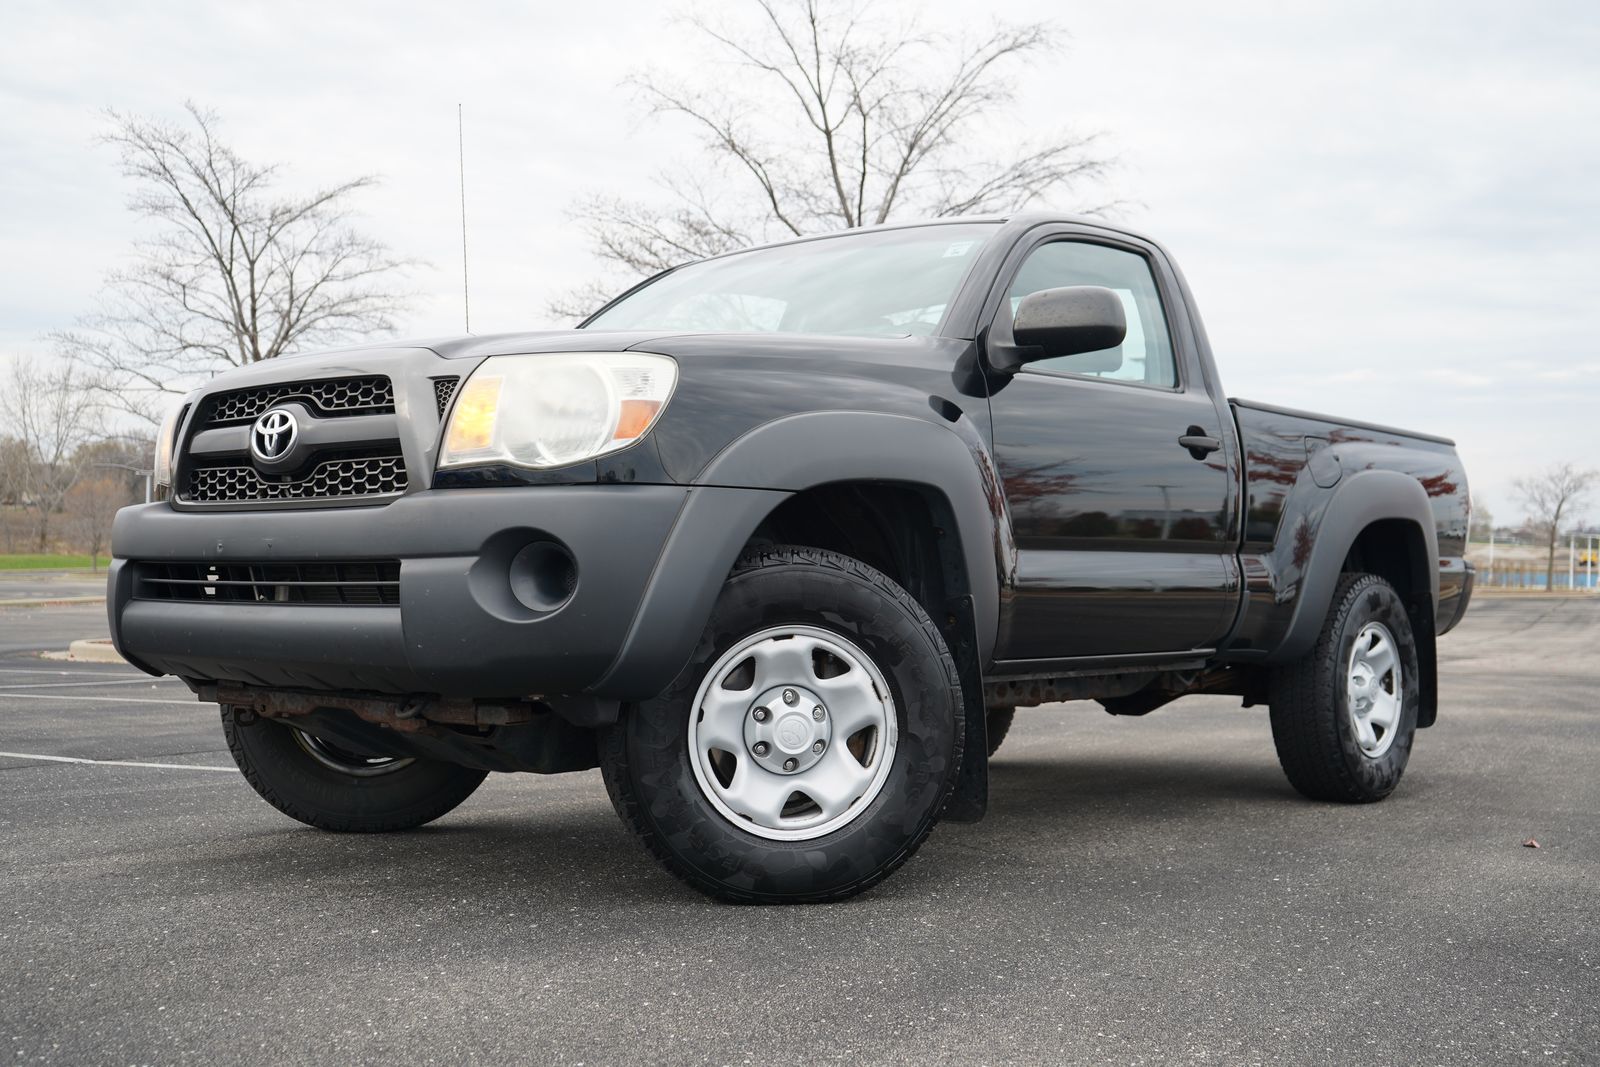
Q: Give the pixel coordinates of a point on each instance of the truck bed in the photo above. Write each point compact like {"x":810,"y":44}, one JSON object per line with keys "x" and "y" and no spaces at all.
{"x":1294,"y":462}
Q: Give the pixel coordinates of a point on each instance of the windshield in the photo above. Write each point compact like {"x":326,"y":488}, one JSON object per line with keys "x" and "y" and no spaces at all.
{"x":884,"y":283}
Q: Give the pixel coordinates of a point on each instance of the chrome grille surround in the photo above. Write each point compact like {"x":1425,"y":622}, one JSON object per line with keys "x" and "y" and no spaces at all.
{"x":357,"y":459}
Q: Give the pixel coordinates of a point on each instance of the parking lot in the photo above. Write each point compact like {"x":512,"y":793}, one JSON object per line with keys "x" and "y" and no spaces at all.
{"x":1143,"y":891}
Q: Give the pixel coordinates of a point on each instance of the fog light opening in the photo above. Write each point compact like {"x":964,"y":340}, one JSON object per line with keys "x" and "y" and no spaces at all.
{"x":543,"y":576}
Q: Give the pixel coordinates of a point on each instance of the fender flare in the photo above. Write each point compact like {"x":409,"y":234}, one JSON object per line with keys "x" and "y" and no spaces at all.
{"x":745,"y":481}
{"x":1359,"y":501}
{"x":804,"y":451}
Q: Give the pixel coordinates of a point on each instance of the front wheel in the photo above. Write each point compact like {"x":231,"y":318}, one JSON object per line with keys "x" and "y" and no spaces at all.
{"x":328,"y":786}
{"x":1343,"y":717}
{"x":809,"y":745}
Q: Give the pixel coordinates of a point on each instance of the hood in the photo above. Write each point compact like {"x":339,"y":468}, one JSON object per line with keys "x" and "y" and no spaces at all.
{"x":503,"y":344}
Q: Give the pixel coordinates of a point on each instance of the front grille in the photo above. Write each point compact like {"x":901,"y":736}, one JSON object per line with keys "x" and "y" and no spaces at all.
{"x":334,"y":396}
{"x":443,"y":390}
{"x":367,"y":476}
{"x":348,"y":445}
{"x":370,"y":582}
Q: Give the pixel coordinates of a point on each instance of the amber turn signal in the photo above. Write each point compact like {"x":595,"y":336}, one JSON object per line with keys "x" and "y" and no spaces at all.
{"x":472,"y":422}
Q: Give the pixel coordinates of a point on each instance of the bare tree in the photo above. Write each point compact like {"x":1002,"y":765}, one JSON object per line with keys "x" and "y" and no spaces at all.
{"x":52,"y":410}
{"x":128,"y":458}
{"x":90,"y":506}
{"x":1482,"y":524}
{"x":234,"y":272}
{"x":820,"y":115}
{"x":14,"y":463}
{"x":1557,"y":491}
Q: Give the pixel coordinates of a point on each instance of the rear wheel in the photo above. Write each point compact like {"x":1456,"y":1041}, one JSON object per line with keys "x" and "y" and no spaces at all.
{"x":331,"y":787}
{"x":807,"y":748}
{"x":1344,"y":716}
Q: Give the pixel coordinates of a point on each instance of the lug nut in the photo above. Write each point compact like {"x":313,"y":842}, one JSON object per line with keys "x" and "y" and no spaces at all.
{"x":790,"y":764}
{"x":818,"y":747}
{"x":790,"y":696}
{"x":817,"y":713}
{"x":761,"y":748}
{"x":760,"y":714}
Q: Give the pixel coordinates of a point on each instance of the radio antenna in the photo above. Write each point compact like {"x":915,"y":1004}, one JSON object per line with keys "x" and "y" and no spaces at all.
{"x":461,"y":161}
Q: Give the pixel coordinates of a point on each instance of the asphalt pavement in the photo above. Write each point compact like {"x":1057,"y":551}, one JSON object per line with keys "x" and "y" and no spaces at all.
{"x":50,"y":586}
{"x":1143,"y":891}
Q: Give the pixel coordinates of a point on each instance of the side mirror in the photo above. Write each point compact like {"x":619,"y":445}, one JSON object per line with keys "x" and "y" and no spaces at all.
{"x":1068,"y":321}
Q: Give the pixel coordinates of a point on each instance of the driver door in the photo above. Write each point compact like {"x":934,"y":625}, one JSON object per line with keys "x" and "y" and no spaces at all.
{"x":1124,"y":535}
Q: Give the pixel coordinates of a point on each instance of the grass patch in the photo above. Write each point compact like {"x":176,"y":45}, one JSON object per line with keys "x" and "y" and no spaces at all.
{"x":45,"y":562}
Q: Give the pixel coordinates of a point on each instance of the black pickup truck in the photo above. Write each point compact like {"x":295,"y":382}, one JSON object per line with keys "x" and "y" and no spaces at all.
{"x":780,"y":540}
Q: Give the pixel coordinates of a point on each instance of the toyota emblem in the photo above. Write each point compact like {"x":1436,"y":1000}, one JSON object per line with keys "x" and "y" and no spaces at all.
{"x":273,"y":434}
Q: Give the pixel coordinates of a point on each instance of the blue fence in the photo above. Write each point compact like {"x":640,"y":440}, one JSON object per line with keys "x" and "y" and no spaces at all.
{"x":1520,"y":574}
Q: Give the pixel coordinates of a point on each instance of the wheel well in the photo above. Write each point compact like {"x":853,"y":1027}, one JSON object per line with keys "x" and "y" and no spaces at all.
{"x":1395,"y":550}
{"x":905,"y":531}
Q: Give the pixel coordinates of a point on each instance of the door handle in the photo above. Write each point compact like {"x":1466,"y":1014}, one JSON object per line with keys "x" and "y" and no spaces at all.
{"x":1198,"y":443}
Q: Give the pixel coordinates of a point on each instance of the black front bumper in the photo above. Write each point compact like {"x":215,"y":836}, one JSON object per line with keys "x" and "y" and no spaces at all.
{"x":650,"y":561}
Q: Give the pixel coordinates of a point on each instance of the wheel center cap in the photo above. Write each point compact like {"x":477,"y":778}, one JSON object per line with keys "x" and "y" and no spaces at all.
{"x":794,"y":733}
{"x":787,"y":729}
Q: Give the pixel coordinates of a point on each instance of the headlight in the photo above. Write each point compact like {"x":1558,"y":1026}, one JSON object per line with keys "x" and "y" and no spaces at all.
{"x":165,"y":442}
{"x":546,"y":411}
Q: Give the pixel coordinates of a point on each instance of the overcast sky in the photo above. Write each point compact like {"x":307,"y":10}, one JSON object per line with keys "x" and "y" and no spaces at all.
{"x":1386,"y":211}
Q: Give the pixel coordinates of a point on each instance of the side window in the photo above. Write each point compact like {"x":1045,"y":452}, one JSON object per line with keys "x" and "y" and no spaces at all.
{"x":1146,"y":352}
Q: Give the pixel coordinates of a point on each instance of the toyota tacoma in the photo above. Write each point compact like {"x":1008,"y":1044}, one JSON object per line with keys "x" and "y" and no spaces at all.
{"x":780,"y":540}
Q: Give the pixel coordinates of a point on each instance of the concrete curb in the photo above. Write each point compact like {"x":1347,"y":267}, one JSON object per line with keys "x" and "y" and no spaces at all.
{"x":1535,"y":594}
{"x":89,"y":650}
{"x":51,"y":602}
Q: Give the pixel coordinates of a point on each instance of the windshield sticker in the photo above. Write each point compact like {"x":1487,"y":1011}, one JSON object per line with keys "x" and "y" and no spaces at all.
{"x":958,"y":248}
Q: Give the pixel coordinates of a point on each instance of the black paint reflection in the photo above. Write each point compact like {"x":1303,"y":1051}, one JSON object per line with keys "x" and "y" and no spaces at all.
{"x":1124,"y":537}
{"x":1293,"y":463}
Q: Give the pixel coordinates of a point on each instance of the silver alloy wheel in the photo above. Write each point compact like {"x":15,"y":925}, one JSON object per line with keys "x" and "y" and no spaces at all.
{"x":335,"y":758}
{"x":1373,"y":691}
{"x":793,"y":733}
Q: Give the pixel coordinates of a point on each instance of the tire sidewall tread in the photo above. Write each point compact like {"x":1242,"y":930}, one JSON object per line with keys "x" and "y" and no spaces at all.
{"x":289,"y":779}
{"x":645,"y":757}
{"x":1311,"y":729}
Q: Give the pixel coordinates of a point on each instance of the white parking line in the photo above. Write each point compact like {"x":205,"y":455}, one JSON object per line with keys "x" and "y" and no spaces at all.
{"x":119,"y":762}
{"x":6,"y":687}
{"x":104,"y":700}
{"x":46,"y":670}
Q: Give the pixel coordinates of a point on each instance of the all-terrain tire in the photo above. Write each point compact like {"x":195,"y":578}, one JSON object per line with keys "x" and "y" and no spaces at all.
{"x":999,"y":724}
{"x":1313,"y":727}
{"x":646,"y":757}
{"x":280,"y":767}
